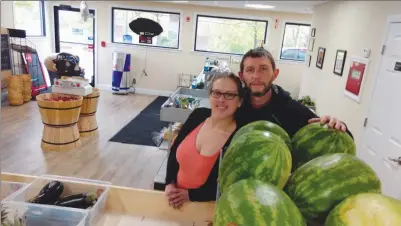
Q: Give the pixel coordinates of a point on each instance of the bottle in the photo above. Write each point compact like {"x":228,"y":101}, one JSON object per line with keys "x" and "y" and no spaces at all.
{"x":206,"y":68}
{"x":193,"y":85}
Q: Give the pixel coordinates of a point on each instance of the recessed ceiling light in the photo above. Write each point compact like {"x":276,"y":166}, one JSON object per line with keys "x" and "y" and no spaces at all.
{"x":259,"y":6}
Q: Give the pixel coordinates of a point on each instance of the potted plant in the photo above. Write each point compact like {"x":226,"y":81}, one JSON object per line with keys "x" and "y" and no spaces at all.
{"x":308,"y":102}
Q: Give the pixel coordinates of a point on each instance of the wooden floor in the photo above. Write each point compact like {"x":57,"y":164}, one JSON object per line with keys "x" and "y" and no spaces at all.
{"x":97,"y":158}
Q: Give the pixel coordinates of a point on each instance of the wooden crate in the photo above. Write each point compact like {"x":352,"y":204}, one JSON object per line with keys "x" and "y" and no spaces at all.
{"x":129,"y":206}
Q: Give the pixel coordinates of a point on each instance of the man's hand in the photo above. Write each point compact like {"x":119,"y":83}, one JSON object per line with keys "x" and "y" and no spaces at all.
{"x":178,"y":197}
{"x":331,"y":122}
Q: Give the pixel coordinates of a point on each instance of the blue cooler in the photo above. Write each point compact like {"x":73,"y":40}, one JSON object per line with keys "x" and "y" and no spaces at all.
{"x":121,"y":72}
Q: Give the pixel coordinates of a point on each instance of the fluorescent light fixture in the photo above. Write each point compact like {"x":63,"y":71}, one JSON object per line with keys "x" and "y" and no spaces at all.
{"x":259,"y":6}
{"x":180,"y":1}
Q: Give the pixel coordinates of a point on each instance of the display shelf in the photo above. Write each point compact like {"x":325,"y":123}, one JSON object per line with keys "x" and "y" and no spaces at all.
{"x":129,"y":206}
{"x":172,"y":114}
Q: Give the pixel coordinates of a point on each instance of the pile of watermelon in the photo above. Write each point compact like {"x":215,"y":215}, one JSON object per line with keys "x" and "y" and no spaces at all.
{"x":314,"y":179}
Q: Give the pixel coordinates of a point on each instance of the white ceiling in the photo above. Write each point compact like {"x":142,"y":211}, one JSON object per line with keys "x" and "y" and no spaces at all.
{"x":283,"y":6}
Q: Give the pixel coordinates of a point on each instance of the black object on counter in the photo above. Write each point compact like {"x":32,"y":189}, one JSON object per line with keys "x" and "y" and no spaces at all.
{"x":81,"y":201}
{"x":49,"y":194}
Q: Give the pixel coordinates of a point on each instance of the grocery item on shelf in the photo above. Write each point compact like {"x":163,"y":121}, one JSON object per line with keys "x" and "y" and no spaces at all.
{"x":184,"y":102}
{"x":315,"y":140}
{"x":51,"y":195}
{"x":259,"y":155}
{"x":81,"y":201}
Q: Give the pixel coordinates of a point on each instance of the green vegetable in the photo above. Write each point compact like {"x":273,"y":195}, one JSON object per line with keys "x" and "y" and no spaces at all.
{"x":265,"y":126}
{"x":253,"y":203}
{"x":315,"y":140}
{"x":258,"y":155}
{"x":319,"y":185}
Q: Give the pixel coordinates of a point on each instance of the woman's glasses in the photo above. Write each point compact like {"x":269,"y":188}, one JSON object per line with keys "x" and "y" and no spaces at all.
{"x":227,"y":96}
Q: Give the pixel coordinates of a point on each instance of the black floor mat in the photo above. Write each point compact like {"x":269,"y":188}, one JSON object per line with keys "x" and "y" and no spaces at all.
{"x":139,"y":131}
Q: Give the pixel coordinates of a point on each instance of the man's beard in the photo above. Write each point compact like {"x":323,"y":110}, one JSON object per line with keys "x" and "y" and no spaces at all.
{"x":260,"y":93}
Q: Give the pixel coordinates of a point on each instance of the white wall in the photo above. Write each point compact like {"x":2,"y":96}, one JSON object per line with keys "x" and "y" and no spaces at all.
{"x":353,"y":26}
{"x":163,"y":66}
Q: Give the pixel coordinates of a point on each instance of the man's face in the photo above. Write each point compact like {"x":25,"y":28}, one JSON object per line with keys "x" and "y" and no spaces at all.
{"x":258,"y":75}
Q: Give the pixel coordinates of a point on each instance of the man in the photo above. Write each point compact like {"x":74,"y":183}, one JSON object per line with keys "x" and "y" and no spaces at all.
{"x":266,"y":101}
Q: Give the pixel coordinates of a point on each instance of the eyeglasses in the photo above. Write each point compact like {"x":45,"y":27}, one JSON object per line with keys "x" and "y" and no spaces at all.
{"x":227,"y":96}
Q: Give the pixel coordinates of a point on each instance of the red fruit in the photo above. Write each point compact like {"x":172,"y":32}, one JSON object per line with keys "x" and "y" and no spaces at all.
{"x":78,"y":85}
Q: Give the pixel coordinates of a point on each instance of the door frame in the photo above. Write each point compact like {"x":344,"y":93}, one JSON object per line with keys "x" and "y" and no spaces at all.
{"x":56,"y":38}
{"x":390,"y":19}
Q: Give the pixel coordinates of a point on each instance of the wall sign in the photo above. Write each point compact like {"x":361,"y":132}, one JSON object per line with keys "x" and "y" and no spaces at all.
{"x":356,"y":74}
{"x":397,"y":66}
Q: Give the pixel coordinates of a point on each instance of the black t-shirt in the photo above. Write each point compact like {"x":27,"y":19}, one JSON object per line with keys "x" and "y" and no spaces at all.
{"x":281,"y":109}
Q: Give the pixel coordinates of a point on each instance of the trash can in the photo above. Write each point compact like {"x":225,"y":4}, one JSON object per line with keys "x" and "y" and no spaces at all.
{"x":121,"y":72}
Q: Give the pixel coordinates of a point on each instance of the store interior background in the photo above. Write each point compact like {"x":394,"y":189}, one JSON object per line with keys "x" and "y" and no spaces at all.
{"x":350,"y":25}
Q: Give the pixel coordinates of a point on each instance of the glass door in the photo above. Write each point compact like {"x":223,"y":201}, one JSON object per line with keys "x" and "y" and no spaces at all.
{"x":75,"y":36}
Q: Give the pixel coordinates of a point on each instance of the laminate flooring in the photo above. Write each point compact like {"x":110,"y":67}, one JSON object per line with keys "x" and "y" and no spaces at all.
{"x":97,"y":158}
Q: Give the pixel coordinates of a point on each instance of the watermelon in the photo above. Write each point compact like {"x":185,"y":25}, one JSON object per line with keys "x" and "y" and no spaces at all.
{"x":265,"y":126}
{"x":315,"y":140}
{"x":366,"y":209}
{"x":259,"y":155}
{"x":253,"y":202}
{"x":320,"y":184}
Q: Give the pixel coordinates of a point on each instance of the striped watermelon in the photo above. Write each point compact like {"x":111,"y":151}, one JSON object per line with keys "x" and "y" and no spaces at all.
{"x":253,"y":202}
{"x":259,"y":155}
{"x":320,"y":184}
{"x":265,"y":126}
{"x":366,"y":209}
{"x":315,"y":140}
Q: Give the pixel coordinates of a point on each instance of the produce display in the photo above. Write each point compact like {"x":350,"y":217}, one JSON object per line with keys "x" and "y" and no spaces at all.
{"x":253,"y":202}
{"x":14,"y":221}
{"x":315,"y":140}
{"x":329,"y":185}
{"x":62,"y":98}
{"x":258,"y":155}
{"x":51,"y":195}
{"x":265,"y":126}
{"x":366,"y":209}
{"x":184,"y":102}
{"x":325,"y":181}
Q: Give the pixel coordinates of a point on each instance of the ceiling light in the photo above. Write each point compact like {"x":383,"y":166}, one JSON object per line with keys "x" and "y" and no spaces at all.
{"x":180,"y":1}
{"x":259,"y":6}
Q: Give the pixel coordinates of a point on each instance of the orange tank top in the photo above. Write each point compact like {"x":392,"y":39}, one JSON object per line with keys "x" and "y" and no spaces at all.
{"x":194,"y":168}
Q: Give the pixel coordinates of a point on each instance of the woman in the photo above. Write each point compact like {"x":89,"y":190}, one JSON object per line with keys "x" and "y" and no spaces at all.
{"x":193,"y":162}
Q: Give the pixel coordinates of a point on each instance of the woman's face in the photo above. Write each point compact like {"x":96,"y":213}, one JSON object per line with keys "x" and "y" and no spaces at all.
{"x":224,"y":99}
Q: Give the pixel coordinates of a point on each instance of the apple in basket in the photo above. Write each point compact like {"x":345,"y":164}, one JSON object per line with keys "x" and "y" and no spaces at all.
{"x":61,"y":98}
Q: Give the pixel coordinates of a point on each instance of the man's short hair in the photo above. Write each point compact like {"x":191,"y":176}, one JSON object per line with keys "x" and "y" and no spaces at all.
{"x":256,"y":53}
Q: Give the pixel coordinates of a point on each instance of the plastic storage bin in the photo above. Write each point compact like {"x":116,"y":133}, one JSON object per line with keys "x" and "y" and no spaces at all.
{"x":71,"y":186}
{"x":8,"y":188}
{"x":172,"y":114}
{"x":44,"y":215}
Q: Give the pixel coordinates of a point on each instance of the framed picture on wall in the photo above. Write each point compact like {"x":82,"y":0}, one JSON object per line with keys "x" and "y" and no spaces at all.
{"x":320,"y":57}
{"x":311,"y":43}
{"x":313,"y":32}
{"x":339,"y":62}
{"x":308,"y":59}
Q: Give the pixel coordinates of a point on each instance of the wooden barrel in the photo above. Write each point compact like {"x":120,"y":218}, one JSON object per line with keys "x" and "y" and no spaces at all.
{"x":15,"y":88}
{"x":60,"y":114}
{"x":27,"y":87}
{"x":87,"y":123}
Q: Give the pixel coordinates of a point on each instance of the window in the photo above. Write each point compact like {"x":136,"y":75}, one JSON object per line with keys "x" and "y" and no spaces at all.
{"x":295,"y":42}
{"x":170,"y":22}
{"x":228,"y":35}
{"x":30,"y":16}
